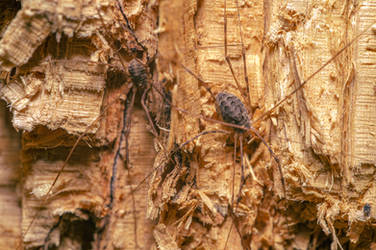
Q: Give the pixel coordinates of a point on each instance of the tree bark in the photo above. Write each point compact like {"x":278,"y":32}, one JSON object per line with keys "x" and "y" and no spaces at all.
{"x":65,"y":74}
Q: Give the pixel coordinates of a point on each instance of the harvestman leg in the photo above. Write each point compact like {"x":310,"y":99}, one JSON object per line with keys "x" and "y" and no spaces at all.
{"x":127,"y":121}
{"x":227,"y":58}
{"x":127,"y":115}
{"x":147,"y":112}
{"x":285,"y":98}
{"x":137,"y":86}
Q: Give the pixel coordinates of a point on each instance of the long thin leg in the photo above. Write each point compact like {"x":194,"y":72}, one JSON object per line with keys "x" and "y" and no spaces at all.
{"x":233,"y":186}
{"x":153,"y":130}
{"x":123,"y":135}
{"x":233,"y":169}
{"x":228,"y":235}
{"x":243,"y":50}
{"x":65,"y":163}
{"x":202,"y":133}
{"x":127,"y":132}
{"x":313,"y":74}
{"x":243,"y":177}
{"x":274,"y":157}
{"x":143,"y":99}
{"x":234,"y":204}
{"x":206,"y":86}
{"x":227,"y":58}
{"x":180,"y":147}
{"x":241,"y":162}
{"x":131,"y":30}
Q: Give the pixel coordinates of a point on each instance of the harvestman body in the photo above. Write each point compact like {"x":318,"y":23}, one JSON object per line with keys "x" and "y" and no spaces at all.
{"x":138,"y":73}
{"x":232,"y":110}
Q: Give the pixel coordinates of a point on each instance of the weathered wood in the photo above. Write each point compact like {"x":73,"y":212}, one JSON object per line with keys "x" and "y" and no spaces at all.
{"x":68,"y":79}
{"x":68,"y":74}
{"x":313,"y":134}
{"x":10,"y":172}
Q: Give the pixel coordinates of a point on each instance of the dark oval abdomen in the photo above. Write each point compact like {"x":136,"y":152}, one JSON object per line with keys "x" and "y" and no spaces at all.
{"x":138,"y":73}
{"x":232,"y":110}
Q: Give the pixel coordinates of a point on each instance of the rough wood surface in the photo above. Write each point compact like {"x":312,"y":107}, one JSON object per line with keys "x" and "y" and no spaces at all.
{"x":10,"y":171}
{"x":10,"y":222}
{"x":64,"y":73}
{"x":67,"y":75}
{"x":322,"y":136}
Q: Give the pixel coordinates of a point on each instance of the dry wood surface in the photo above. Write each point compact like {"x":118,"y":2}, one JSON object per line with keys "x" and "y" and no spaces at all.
{"x":66,"y":84}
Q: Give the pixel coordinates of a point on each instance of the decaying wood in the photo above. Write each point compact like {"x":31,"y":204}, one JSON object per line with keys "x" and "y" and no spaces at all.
{"x":9,"y":175}
{"x":63,"y":58}
{"x":65,"y":76}
{"x":323,"y":136}
{"x":10,"y":171}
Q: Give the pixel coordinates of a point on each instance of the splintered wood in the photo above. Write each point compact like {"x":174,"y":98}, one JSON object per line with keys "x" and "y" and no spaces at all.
{"x":323,"y":135}
{"x":64,"y":73}
{"x":63,"y":77}
{"x":60,"y":86}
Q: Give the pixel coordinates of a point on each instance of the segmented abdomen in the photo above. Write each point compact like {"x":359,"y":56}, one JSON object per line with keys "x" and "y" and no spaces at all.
{"x":232,"y":110}
{"x":138,"y":73}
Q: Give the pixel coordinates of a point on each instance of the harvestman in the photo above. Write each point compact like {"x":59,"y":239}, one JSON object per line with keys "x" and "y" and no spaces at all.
{"x":141,"y":83}
{"x":233,"y":111}
{"x":228,"y":120}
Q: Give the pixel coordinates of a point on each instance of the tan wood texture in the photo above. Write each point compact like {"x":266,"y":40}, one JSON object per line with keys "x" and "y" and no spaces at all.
{"x":317,"y":134}
{"x":64,"y":74}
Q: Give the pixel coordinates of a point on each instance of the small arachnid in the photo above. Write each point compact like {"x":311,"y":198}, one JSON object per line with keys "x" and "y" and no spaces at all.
{"x":132,"y":80}
{"x":232,"y":110}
